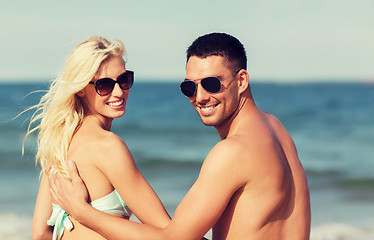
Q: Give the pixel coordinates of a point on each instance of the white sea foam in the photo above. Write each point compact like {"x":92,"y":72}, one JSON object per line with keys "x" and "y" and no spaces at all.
{"x":342,"y":231}
{"x":15,"y":227}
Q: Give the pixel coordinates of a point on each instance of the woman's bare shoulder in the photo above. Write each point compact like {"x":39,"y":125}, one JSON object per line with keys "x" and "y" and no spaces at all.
{"x":106,"y":145}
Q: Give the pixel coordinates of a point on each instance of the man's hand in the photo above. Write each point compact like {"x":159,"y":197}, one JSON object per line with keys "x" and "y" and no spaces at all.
{"x":71,"y":196}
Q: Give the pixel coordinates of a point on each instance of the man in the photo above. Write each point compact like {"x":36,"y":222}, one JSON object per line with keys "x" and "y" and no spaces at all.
{"x":251,"y":185}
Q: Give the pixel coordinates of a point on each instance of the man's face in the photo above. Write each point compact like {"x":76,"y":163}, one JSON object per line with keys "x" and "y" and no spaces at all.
{"x":213,"y":108}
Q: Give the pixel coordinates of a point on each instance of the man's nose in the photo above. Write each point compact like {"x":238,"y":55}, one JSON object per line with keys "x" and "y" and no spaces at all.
{"x":201,"y":94}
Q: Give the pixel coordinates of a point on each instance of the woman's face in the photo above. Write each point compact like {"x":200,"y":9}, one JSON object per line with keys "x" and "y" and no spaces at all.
{"x":112,"y":105}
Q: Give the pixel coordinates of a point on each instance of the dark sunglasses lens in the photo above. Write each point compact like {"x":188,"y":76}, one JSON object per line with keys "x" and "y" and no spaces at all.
{"x":126,"y":80}
{"x":211,"y":84}
{"x":188,"y":88}
{"x":104,"y":86}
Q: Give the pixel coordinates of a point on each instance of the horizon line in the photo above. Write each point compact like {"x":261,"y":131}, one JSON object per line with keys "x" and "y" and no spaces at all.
{"x":306,"y":80}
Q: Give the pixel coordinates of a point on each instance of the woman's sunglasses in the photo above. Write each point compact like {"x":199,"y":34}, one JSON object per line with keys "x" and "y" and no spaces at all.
{"x":104,"y":86}
{"x":210,"y":84}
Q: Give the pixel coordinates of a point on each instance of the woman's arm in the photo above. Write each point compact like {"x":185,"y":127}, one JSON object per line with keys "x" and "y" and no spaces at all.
{"x":42,"y":212}
{"x":120,"y":169}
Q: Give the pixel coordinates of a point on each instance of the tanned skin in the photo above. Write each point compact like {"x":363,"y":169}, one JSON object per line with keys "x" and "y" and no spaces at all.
{"x":251,"y":185}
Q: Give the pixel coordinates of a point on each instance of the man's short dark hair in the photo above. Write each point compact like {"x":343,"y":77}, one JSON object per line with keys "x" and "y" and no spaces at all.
{"x":219,"y":44}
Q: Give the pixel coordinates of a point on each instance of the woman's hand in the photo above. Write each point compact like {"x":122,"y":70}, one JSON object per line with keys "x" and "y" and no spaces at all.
{"x":71,"y":196}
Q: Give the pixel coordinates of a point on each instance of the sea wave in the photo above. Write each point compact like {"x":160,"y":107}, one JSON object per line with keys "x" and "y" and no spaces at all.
{"x":15,"y":227}
{"x":342,"y":231}
{"x":18,"y":227}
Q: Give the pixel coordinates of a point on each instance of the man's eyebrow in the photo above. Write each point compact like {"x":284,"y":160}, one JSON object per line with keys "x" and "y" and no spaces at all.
{"x":217,"y":76}
{"x":193,"y":80}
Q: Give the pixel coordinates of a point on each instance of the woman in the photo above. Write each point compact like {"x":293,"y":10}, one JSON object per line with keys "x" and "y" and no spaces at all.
{"x":75,"y":118}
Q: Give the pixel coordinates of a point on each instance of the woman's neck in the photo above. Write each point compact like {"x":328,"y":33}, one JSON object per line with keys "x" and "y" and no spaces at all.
{"x":100,"y":121}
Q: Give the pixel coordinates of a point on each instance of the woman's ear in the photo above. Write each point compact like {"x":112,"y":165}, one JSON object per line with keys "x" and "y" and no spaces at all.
{"x":80,"y":93}
{"x":243,"y":80}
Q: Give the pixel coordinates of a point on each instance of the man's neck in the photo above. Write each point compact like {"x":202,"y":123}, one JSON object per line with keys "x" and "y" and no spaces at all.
{"x":232,"y":124}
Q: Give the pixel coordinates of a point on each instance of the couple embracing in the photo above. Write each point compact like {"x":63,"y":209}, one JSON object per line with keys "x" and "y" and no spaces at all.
{"x":251,"y":184}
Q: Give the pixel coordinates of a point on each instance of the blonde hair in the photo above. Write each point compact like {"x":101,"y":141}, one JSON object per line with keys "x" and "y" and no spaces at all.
{"x":60,"y":111}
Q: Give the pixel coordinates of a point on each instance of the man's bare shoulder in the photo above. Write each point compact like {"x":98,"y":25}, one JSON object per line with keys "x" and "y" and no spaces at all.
{"x":276,"y":125}
{"x":228,"y":149}
{"x":280,"y":133}
{"x":230,"y":155}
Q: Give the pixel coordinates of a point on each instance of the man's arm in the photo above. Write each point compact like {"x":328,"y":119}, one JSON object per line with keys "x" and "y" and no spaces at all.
{"x":121,"y":171}
{"x":72,"y":197}
{"x":197,"y":213}
{"x":207,"y":199}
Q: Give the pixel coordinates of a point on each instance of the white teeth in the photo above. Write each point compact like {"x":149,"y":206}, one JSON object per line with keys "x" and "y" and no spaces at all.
{"x":115,"y":104}
{"x":207,"y":108}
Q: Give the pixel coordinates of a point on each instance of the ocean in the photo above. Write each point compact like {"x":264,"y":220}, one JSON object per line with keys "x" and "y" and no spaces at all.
{"x":332,"y":125}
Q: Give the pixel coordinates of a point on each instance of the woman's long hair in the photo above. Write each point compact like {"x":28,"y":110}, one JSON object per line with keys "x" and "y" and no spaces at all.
{"x":60,"y":111}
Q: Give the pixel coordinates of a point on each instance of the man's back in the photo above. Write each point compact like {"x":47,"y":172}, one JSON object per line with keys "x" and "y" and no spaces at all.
{"x":273,"y":200}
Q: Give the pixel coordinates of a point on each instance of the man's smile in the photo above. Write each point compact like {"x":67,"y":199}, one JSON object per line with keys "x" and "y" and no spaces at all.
{"x":207,"y":110}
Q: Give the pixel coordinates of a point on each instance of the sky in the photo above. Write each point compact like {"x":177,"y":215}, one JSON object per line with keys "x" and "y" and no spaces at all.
{"x":285,"y":40}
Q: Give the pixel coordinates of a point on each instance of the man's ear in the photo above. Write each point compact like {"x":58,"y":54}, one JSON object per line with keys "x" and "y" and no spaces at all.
{"x":80,"y":93}
{"x":243,"y":80}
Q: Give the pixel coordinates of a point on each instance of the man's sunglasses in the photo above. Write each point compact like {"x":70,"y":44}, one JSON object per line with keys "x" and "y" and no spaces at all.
{"x":104,"y":86}
{"x":210,"y":84}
